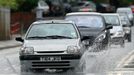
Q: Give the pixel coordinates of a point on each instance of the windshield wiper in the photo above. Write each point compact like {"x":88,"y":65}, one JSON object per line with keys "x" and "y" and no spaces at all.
{"x":83,"y":27}
{"x":58,"y":37}
{"x":49,"y":37}
{"x":37,"y":37}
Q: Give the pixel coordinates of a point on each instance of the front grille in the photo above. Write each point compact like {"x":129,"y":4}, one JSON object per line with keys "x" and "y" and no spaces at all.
{"x":48,"y":64}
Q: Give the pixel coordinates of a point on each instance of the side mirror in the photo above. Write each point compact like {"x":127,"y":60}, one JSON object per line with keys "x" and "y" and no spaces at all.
{"x":124,"y":25}
{"x":19,"y":39}
{"x":85,"y":40}
{"x":109,"y":26}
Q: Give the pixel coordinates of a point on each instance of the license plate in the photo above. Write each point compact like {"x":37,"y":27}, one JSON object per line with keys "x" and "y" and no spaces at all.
{"x":50,"y":58}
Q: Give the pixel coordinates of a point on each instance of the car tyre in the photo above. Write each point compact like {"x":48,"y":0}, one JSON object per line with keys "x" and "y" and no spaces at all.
{"x":123,"y":43}
{"x":23,"y":68}
{"x":129,"y":37}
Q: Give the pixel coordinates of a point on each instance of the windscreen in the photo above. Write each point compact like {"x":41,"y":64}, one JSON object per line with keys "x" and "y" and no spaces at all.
{"x":45,"y":30}
{"x":88,"y":21}
{"x":112,"y":19}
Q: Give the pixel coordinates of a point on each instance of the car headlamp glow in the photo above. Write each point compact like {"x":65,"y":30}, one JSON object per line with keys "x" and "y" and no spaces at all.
{"x":73,"y":50}
{"x":27,"y":50}
{"x":100,"y":37}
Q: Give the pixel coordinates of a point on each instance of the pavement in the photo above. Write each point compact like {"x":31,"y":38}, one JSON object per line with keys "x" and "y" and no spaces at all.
{"x":5,"y":44}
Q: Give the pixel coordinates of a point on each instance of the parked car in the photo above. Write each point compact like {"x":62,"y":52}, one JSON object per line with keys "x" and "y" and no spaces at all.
{"x":105,"y":7}
{"x":93,"y":26}
{"x":67,"y":6}
{"x":84,"y":6}
{"x":126,"y":26}
{"x":56,"y":7}
{"x":51,"y":46}
{"x":128,"y":11}
{"x":117,"y":33}
{"x":42,"y":5}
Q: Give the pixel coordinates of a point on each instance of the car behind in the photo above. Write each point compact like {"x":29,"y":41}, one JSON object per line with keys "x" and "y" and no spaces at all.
{"x":93,"y":26}
{"x":126,"y":26}
{"x":127,"y":11}
{"x":117,"y":32}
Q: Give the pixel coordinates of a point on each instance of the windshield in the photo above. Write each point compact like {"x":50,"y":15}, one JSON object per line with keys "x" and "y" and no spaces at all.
{"x":87,"y":21}
{"x":112,"y":19}
{"x":124,"y":19}
{"x":49,"y":31}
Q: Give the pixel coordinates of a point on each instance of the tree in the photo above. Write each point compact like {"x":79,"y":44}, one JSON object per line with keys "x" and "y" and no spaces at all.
{"x":27,"y":5}
{"x":9,"y":4}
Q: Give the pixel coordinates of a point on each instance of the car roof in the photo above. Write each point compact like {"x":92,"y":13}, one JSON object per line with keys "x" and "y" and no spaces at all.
{"x":52,"y":21}
{"x":83,"y":13}
{"x":123,"y":9}
{"x":111,"y":14}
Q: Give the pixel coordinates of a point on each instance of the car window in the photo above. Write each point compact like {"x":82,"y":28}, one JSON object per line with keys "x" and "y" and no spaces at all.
{"x":124,"y":19}
{"x":126,"y":11}
{"x":89,"y":21}
{"x":112,"y":19}
{"x":44,"y":30}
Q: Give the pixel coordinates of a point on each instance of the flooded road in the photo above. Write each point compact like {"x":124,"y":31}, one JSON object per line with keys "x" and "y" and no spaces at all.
{"x":97,"y":63}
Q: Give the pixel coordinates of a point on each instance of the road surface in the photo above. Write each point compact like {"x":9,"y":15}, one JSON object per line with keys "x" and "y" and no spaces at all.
{"x":99,"y":63}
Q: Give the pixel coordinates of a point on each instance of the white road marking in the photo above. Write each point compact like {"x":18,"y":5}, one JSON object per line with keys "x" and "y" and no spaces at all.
{"x":126,"y":59}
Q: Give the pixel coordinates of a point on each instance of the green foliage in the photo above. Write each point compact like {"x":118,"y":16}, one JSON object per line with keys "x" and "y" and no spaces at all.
{"x":27,"y":5}
{"x":9,"y":3}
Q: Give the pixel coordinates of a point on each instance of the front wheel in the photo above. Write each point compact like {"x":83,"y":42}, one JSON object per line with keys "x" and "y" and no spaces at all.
{"x":122,"y":43}
{"x":23,"y":68}
{"x":129,"y":38}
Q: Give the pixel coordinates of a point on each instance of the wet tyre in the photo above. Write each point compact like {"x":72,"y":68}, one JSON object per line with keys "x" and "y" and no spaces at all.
{"x":129,"y":38}
{"x":23,"y":68}
{"x":123,"y":43}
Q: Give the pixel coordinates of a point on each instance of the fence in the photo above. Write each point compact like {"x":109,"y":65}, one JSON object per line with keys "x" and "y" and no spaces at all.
{"x":20,"y":21}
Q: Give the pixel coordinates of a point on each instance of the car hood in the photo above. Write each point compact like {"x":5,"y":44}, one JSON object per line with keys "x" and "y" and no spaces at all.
{"x":53,"y":45}
{"x":116,"y":29}
{"x":90,"y":31}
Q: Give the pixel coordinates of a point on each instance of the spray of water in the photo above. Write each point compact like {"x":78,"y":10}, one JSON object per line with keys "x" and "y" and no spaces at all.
{"x":90,"y":59}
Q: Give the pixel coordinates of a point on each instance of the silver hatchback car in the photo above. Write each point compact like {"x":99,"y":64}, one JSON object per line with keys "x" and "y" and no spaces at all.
{"x":52,"y":46}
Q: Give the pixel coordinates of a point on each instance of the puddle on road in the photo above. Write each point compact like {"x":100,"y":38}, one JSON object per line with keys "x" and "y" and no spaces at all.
{"x":94,"y":61}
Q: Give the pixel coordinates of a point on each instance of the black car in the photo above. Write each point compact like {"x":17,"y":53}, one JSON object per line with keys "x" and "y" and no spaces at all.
{"x":56,"y":7}
{"x":93,"y":26}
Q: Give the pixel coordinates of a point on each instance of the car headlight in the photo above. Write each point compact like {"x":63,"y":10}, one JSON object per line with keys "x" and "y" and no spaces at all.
{"x":73,"y":50}
{"x":100,"y":37}
{"x":27,"y":50}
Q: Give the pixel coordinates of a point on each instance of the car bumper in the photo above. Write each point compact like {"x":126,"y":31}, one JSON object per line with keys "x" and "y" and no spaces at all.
{"x":34,"y":62}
